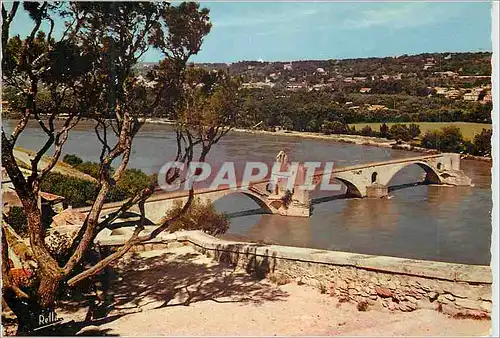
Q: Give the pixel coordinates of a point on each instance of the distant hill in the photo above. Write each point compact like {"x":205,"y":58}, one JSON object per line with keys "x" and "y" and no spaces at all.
{"x":470,"y":63}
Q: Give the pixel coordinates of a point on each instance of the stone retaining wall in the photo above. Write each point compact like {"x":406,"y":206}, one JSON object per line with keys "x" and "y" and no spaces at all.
{"x":390,"y":282}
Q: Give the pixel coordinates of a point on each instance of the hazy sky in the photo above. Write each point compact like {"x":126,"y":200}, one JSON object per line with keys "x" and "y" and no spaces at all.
{"x":327,"y":30}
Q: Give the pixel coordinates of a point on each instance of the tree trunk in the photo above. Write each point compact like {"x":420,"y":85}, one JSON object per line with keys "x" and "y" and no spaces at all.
{"x":47,"y":291}
{"x":29,"y":312}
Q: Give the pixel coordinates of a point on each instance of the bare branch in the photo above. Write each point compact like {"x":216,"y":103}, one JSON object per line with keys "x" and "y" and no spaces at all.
{"x":7,"y":20}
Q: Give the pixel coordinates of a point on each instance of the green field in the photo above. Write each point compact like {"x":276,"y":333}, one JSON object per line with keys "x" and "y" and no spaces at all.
{"x":468,"y":129}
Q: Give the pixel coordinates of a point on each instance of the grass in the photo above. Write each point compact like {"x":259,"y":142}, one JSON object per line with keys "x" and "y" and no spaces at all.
{"x":468,"y":129}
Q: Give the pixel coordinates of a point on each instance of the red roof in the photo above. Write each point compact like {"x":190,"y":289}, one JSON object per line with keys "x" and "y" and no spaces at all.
{"x":69,"y":217}
{"x":51,"y":197}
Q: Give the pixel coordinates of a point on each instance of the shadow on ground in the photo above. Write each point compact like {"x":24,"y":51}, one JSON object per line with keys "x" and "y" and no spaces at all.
{"x":173,"y":280}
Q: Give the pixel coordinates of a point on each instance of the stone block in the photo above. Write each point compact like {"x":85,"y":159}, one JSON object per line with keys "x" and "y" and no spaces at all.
{"x":383,"y":292}
{"x":468,"y":304}
{"x":411,"y":299}
{"x":486,"y":306}
{"x":443,"y":299}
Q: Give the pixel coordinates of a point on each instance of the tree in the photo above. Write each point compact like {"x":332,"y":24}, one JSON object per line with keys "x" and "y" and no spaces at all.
{"x":89,"y":72}
{"x":199,"y":213}
{"x":431,"y":139}
{"x":482,"y":143}
{"x":334,"y":127}
{"x":366,"y":131}
{"x":72,"y":159}
{"x":451,"y":139}
{"x":448,"y":139}
{"x":384,"y":130}
{"x":399,"y":132}
{"x":414,"y":130}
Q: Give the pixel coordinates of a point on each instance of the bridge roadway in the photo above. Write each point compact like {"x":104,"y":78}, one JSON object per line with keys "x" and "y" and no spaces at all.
{"x":361,"y":180}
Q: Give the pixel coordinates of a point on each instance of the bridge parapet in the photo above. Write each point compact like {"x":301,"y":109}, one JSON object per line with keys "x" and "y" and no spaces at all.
{"x":372,"y":179}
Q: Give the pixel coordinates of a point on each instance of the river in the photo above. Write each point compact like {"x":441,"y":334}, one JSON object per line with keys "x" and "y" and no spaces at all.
{"x":450,"y":224}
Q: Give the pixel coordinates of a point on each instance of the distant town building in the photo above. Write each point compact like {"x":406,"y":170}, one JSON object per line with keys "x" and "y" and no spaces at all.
{"x":441,"y":90}
{"x":473,"y":77}
{"x":321,"y":71}
{"x":374,"y":107}
{"x":365,"y":90}
{"x":472,"y":96}
{"x":288,"y":66}
{"x":295,"y":86}
{"x":453,"y":94}
{"x":360,"y":78}
{"x":257,"y":85}
{"x":320,"y":86}
{"x":446,"y":74}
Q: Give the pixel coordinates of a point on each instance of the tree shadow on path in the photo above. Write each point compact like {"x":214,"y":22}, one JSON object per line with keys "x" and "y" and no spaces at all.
{"x":172,"y":280}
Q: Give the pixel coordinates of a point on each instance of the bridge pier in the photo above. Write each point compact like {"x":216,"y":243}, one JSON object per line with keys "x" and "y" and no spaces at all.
{"x":377,"y":191}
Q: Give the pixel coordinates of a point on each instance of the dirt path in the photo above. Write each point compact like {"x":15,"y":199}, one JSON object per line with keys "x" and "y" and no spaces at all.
{"x":179,"y":292}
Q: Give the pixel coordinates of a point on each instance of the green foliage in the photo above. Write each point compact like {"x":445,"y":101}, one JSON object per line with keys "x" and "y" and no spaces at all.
{"x":200,"y":216}
{"x":384,"y":130}
{"x":132,"y":181}
{"x":72,"y":159}
{"x":431,"y":139}
{"x":89,"y":168}
{"x":482,"y":143}
{"x":17,"y":219}
{"x":399,"y":132}
{"x":448,"y":139}
{"x":414,"y":130}
{"x":334,"y":127}
{"x":78,"y":192}
{"x":367,"y":131}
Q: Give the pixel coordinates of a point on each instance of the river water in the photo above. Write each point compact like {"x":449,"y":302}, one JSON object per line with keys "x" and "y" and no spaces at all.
{"x":451,"y":224}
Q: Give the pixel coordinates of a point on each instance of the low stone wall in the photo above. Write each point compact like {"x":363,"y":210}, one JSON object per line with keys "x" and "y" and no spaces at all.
{"x":390,"y":282}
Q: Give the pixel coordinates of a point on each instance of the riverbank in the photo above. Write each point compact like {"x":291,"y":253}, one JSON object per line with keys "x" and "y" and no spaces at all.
{"x":340,"y":138}
{"x":358,"y":140}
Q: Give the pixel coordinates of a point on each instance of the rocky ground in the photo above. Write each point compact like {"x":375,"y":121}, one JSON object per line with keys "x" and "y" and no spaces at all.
{"x":180,"y":292}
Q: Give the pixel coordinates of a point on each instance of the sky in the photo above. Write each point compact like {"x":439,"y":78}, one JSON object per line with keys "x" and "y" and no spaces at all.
{"x":286,"y":31}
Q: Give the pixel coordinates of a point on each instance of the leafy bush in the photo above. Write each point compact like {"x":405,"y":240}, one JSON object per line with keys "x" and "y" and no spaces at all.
{"x":199,"y":216}
{"x":334,"y":127}
{"x":17,"y":219}
{"x":414,"y":130}
{"x":384,"y":130}
{"x":367,"y":131}
{"x":89,"y":168}
{"x":482,"y":143}
{"x":132,"y":181}
{"x":399,"y":132}
{"x":78,"y":192}
{"x":448,"y":139}
{"x":72,"y":160}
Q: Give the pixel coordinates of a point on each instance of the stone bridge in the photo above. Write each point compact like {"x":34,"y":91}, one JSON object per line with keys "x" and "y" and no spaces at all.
{"x":364,"y":180}
{"x":372,"y":179}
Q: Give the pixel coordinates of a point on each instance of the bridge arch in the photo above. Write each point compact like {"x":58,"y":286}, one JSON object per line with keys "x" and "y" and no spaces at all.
{"x":259,"y":200}
{"x":352,"y":189}
{"x":432,"y":175}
